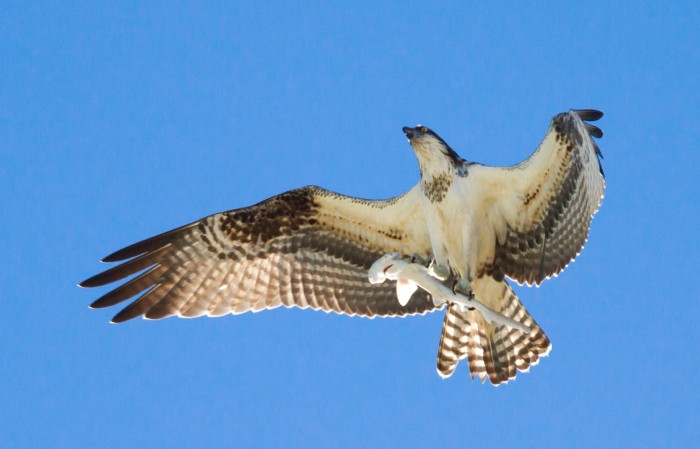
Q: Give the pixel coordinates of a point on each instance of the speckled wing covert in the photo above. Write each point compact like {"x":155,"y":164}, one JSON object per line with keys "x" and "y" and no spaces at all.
{"x":546,"y":203}
{"x":304,"y":248}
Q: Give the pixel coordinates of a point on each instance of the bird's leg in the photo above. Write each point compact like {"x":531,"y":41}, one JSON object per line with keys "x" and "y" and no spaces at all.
{"x":412,"y":275}
{"x":420,"y":260}
{"x":463,"y":286}
{"x":436,"y":270}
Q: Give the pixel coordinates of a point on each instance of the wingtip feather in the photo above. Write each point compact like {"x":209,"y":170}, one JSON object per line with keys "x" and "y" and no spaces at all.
{"x":147,"y":245}
{"x":126,"y":269}
{"x":91,"y":282}
{"x":594,"y":131}
{"x":589,"y":115}
{"x":123,"y":316}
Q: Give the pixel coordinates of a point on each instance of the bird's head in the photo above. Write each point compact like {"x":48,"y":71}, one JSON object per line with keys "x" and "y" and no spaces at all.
{"x":433,"y":153}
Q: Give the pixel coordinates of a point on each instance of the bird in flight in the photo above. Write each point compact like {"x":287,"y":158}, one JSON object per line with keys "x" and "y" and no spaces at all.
{"x":311,"y":248}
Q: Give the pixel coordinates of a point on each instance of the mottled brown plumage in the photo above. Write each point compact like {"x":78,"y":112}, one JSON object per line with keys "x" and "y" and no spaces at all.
{"x":298,"y":249}
{"x":311,"y":248}
{"x":559,"y":227}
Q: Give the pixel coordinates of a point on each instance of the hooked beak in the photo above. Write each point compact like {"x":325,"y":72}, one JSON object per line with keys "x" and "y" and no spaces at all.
{"x":411,"y":132}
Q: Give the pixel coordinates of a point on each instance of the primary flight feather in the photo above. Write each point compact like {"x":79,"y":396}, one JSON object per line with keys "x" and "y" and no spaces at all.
{"x":312,"y":248}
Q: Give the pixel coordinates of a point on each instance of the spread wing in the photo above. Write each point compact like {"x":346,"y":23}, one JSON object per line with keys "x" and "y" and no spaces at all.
{"x":304,"y":248}
{"x":543,"y":207}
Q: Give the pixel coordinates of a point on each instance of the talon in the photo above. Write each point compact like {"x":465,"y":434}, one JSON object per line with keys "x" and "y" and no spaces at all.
{"x":464,"y":287}
{"x":420,"y":260}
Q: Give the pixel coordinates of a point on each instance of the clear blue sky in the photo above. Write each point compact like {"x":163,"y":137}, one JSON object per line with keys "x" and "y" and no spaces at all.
{"x":120,"y":120}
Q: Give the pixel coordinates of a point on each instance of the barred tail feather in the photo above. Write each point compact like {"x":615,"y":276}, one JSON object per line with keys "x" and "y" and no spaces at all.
{"x":493,"y":351}
{"x":453,"y":341}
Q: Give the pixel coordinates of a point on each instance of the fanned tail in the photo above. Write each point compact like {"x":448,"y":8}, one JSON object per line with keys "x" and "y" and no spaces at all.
{"x":493,"y":351}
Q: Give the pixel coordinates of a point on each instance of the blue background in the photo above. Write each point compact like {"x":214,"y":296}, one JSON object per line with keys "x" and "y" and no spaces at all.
{"x":120,"y":120}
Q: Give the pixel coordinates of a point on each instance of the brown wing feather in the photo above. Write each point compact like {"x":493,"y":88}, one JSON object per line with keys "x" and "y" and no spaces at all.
{"x":303,"y":248}
{"x":565,"y":191}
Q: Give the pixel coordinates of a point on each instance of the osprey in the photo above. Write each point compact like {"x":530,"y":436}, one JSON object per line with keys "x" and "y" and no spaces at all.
{"x":312,"y":248}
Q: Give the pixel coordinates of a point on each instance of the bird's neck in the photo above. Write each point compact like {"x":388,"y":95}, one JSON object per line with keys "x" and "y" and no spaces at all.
{"x":436,"y":185}
{"x":437,"y":175}
{"x":439,"y":166}
{"x":434,"y":160}
{"x":436,"y":166}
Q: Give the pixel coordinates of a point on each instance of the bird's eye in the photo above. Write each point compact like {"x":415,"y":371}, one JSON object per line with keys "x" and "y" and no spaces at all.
{"x":424,"y":129}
